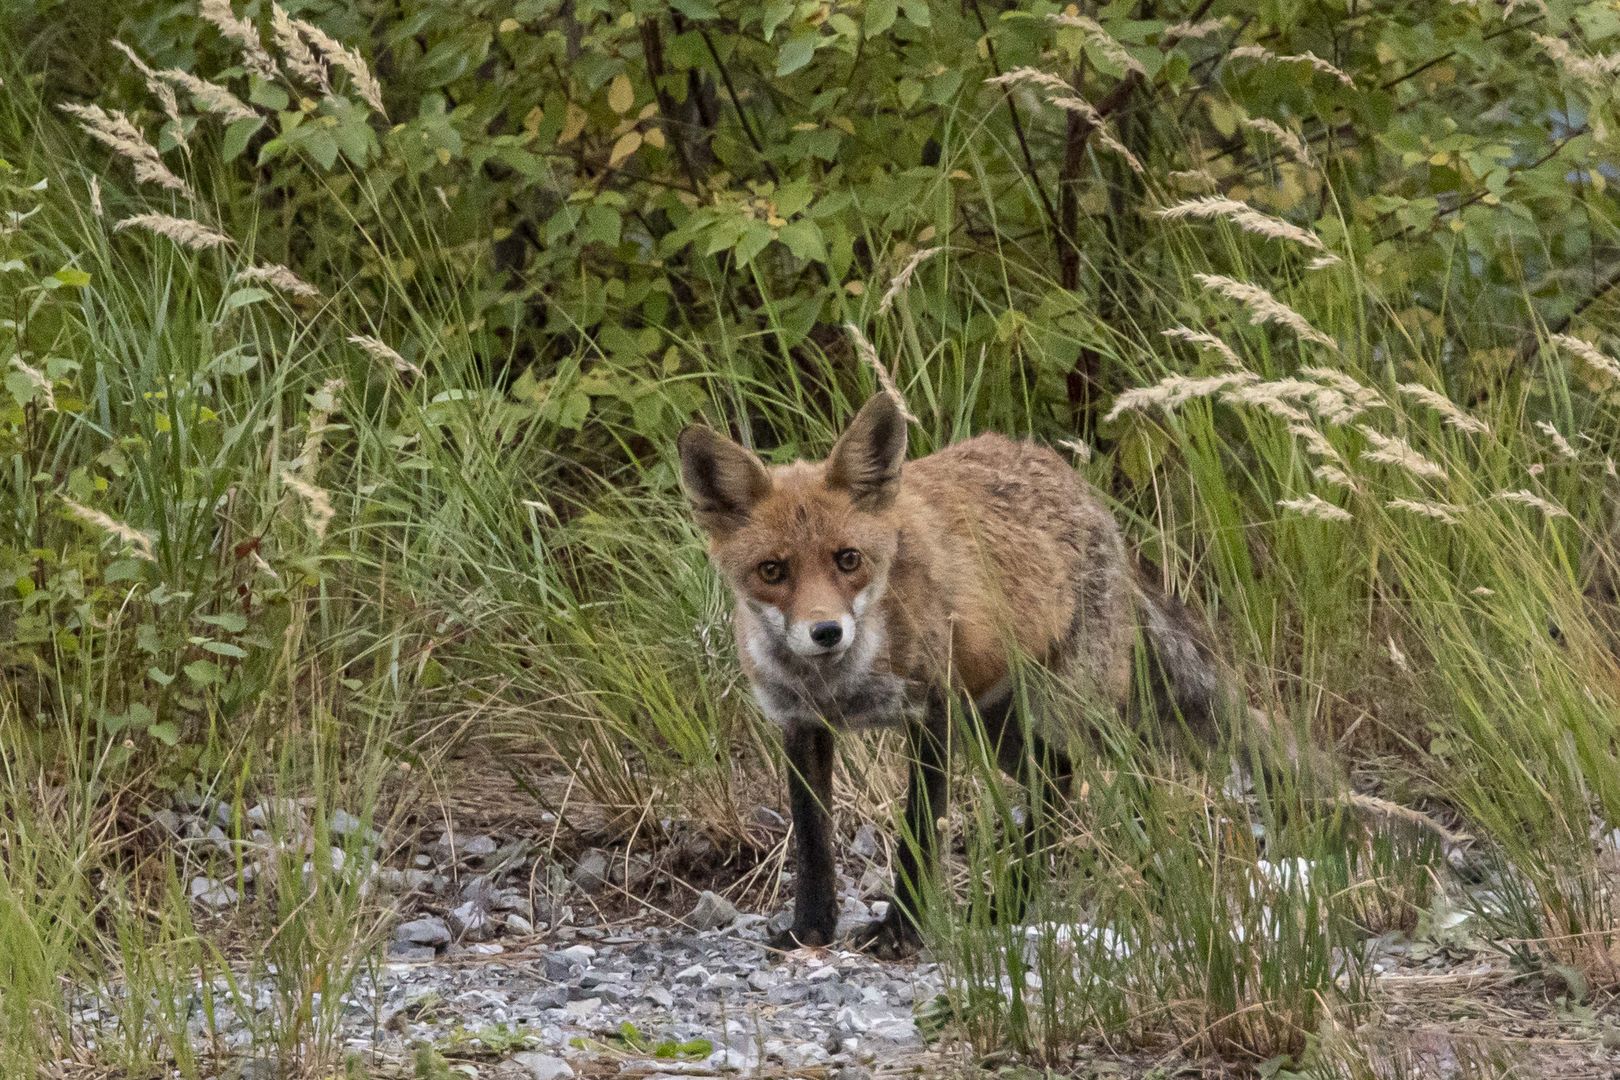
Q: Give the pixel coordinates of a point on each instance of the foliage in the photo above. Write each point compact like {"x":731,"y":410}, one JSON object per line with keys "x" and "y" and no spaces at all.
{"x":341,"y":413}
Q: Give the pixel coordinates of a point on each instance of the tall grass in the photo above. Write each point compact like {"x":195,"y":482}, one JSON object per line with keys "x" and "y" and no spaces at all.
{"x":338,"y":542}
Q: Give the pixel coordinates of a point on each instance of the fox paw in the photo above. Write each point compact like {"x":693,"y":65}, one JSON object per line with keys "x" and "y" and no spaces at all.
{"x":800,"y":937}
{"x":892,"y":937}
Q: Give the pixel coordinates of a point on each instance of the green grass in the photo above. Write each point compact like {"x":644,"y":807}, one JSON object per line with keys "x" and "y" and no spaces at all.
{"x":489,"y":575}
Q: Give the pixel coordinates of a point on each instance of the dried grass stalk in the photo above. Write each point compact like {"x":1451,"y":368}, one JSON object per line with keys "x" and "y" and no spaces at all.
{"x":1393,"y":450}
{"x":1259,"y":52}
{"x":318,"y":511}
{"x":1534,"y":501}
{"x":1594,"y":357}
{"x":1597,"y":72}
{"x":1265,"y":308}
{"x":118,"y":133}
{"x":1439,"y":511}
{"x":1184,"y":30}
{"x":1106,"y":43}
{"x":210,"y":97}
{"x":282,"y":278}
{"x":1288,"y":140}
{"x":183,"y":231}
{"x":243,"y":32}
{"x":380,"y":350}
{"x":140,"y":544}
{"x":160,"y":90}
{"x":349,"y":60}
{"x":295,"y":51}
{"x":1175,"y":390}
{"x":901,"y":281}
{"x":869,"y":356}
{"x":1105,"y":138}
{"x":1560,"y":444}
{"x":1449,"y":410}
{"x":1205,"y":341}
{"x":1247,"y":218}
{"x":1313,"y":505}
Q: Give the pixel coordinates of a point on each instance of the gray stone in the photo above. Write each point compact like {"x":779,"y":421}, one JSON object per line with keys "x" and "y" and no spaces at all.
{"x":429,"y":930}
{"x":345,"y":824}
{"x":212,"y":893}
{"x":406,"y":952}
{"x":544,"y":1066}
{"x":471,"y":921}
{"x":591,"y":872}
{"x":712,"y":911}
{"x":517,"y":924}
{"x":474,"y":848}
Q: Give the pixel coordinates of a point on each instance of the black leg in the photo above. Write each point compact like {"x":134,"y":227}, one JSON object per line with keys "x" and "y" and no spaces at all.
{"x":896,"y":934}
{"x":1046,"y":774}
{"x":815,"y":879}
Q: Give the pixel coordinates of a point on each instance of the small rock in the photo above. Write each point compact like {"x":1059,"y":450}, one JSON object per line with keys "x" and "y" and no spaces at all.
{"x":345,"y":824}
{"x":471,"y":921}
{"x":406,"y":952}
{"x":697,"y":973}
{"x":591,"y":872}
{"x":422,"y":860}
{"x":712,"y":912}
{"x":478,"y":847}
{"x":429,"y":930}
{"x":585,"y":1007}
{"x":866,"y":843}
{"x":659,"y":996}
{"x":544,"y":1066}
{"x":517,"y":924}
{"x":212,"y":893}
{"x":169,"y":821}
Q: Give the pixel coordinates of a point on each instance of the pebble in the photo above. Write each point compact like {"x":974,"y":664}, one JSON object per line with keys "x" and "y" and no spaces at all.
{"x":429,"y":930}
{"x":712,"y":911}
{"x":212,"y":893}
{"x":544,"y":1066}
{"x":591,"y":872}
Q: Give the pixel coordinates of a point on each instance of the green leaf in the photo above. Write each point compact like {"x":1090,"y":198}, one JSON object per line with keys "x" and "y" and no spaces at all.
{"x":803,"y":238}
{"x":204,"y":672}
{"x":237,"y":134}
{"x":232,"y":622}
{"x":224,"y":648}
{"x":880,"y":15}
{"x":700,"y":10}
{"x":796,"y":52}
{"x":917,"y":13}
{"x":244,"y":297}
{"x":755,"y":239}
{"x":165,"y":733}
{"x":72,"y":277}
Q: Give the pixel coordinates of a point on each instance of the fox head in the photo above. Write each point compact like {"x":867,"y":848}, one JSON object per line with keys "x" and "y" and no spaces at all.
{"x":805,"y":547}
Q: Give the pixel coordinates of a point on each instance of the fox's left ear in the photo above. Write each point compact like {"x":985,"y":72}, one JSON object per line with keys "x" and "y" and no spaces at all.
{"x":866,"y":460}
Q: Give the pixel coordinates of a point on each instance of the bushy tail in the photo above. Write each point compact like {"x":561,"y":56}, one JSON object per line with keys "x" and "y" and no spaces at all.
{"x":1186,"y":682}
{"x":1189,"y":685}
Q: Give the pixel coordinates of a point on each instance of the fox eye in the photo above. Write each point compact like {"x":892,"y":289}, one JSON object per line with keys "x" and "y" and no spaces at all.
{"x":847,"y":559}
{"x":772,"y":571}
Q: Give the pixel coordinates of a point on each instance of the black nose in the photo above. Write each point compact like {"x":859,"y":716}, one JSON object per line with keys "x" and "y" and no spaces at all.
{"x":826,"y":634}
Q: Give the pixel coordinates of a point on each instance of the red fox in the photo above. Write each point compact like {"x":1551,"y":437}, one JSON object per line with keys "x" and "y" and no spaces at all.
{"x":871,"y":590}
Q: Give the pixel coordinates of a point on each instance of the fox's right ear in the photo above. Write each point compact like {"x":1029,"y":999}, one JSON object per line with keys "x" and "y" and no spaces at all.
{"x":722,"y":480}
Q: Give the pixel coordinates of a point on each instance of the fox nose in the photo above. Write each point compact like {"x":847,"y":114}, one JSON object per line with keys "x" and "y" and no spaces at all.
{"x":826,"y":634}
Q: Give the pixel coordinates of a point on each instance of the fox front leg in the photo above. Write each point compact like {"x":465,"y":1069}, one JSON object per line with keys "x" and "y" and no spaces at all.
{"x":815,"y":880}
{"x":897,"y":934}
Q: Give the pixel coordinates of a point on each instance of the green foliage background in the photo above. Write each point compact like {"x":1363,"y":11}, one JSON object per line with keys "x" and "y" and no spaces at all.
{"x":431,"y":501}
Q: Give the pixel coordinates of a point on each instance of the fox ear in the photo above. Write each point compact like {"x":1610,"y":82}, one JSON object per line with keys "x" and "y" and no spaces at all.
{"x":866,"y":460}
{"x":722,"y":480}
